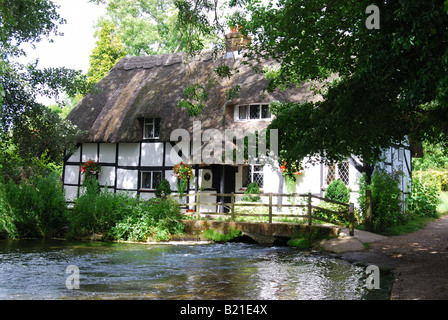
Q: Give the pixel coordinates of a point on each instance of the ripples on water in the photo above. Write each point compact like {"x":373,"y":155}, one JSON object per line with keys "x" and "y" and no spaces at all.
{"x":36,"y":270}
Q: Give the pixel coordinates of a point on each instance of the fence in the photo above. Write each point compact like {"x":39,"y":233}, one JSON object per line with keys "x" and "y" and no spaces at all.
{"x":348,"y":214}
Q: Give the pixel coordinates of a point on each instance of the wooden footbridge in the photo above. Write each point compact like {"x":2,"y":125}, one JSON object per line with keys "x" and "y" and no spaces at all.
{"x":265,"y":226}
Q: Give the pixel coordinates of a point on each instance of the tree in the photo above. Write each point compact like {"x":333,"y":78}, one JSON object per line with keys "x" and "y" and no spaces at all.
{"x":29,"y":130}
{"x":391,"y":82}
{"x":382,"y":73}
{"x":149,"y":27}
{"x":109,"y":49}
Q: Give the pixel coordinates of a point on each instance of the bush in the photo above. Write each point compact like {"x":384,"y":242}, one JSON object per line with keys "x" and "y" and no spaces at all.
{"x":423,"y":200}
{"x":98,"y":211}
{"x":155,"y":219}
{"x":386,"y":200}
{"x":338,"y":191}
{"x":33,"y":209}
{"x":216,"y":236}
{"x":163,"y":189}
{"x":252,"y":188}
{"x":123,"y":217}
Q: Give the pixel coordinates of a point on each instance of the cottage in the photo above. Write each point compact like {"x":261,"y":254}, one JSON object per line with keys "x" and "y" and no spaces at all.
{"x":133,"y":124}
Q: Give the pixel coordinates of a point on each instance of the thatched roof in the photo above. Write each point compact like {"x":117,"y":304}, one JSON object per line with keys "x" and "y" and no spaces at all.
{"x":151,"y":86}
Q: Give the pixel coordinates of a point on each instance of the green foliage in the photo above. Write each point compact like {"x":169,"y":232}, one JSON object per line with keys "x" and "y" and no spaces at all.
{"x":149,"y":27}
{"x":252,"y":188}
{"x":423,"y":200}
{"x":155,"y":219}
{"x":108,"y":51}
{"x":386,"y":200}
{"x":407,"y":89}
{"x":196,"y":96}
{"x":29,"y":131}
{"x":437,"y":177}
{"x":301,"y":243}
{"x":163,"y":189}
{"x":434,"y":157}
{"x":216,"y":236}
{"x":337,"y":190}
{"x":35,"y":208}
{"x":123,"y":217}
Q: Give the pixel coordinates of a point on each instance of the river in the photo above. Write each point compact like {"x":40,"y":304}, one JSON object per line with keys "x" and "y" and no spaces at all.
{"x":37,"y":269}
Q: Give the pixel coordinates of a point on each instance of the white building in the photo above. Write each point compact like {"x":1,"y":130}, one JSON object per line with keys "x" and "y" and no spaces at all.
{"x":133,"y":111}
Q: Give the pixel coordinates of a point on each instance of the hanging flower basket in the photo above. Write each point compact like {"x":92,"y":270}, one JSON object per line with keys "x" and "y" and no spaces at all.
{"x":184,"y":173}
{"x":91,"y":169}
{"x":290,"y":170}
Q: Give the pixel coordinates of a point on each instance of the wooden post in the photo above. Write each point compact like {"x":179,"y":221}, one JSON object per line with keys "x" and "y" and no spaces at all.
{"x":270,"y":207}
{"x":369,"y":225}
{"x":232,"y":205}
{"x":309,"y":209}
{"x":198,"y":201}
{"x":352,"y":219}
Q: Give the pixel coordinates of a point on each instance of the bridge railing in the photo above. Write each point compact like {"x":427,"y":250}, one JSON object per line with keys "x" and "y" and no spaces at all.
{"x":227,"y":207}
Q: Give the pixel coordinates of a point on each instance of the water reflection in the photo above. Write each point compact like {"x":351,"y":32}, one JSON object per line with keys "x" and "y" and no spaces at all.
{"x":36,"y":270}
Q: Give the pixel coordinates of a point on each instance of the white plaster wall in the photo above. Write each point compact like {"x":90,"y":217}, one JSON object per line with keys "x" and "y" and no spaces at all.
{"x":128,"y":193}
{"x":207,"y":208}
{"x":171,"y":156}
{"x":89,"y":152}
{"x":71,"y":192}
{"x":169,"y":175}
{"x":76,"y":156}
{"x":107,"y":176}
{"x":309,"y":180}
{"x":152,"y":154}
{"x":71,"y":174}
{"x":127,"y":179}
{"x":107,"y":152}
{"x":128,"y":154}
{"x":147,"y":195}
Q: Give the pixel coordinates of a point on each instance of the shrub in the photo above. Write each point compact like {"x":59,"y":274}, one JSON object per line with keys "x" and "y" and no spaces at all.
{"x":252,"y":188}
{"x":216,"y":236}
{"x":154,"y":219}
{"x":423,"y":200}
{"x":123,"y":217}
{"x":163,"y":189}
{"x":33,"y":209}
{"x":386,"y":200}
{"x":98,"y":211}
{"x":338,"y":191}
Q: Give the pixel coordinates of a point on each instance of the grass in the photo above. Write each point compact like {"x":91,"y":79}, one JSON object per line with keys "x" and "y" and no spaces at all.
{"x":419,"y":223}
{"x":443,"y":206}
{"x":412,"y":225}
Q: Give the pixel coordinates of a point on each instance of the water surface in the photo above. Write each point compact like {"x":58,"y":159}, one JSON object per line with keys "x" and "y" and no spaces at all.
{"x":34,"y":269}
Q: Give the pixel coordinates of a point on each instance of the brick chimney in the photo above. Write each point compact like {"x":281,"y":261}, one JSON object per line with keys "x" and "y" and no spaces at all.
{"x":235,"y":40}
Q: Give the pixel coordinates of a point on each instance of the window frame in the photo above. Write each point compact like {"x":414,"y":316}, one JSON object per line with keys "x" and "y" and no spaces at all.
{"x":336,"y":174}
{"x":248,"y":172}
{"x":247,"y":106}
{"x":154,"y":122}
{"x":142,"y":180}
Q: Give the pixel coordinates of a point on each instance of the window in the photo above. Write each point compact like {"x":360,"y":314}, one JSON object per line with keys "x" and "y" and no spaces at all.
{"x":151,"y":179}
{"x":251,"y":173}
{"x":253,"y":112}
{"x":151,"y":128}
{"x":337,"y":171}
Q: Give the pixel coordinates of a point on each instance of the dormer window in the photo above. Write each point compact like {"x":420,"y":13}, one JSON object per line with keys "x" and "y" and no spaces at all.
{"x":252,"y":112}
{"x":151,"y":128}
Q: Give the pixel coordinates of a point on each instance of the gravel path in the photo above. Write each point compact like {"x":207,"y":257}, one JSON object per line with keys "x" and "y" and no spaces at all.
{"x":419,"y":259}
